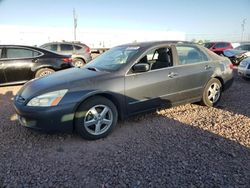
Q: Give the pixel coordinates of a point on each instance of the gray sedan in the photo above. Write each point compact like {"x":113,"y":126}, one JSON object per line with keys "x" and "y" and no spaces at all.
{"x":244,"y":68}
{"x":124,"y":81}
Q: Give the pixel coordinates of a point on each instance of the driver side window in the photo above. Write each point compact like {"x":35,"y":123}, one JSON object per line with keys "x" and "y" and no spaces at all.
{"x":158,"y":58}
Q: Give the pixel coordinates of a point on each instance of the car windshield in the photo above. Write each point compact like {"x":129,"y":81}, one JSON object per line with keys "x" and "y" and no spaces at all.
{"x":208,"y":45}
{"x":113,"y":59}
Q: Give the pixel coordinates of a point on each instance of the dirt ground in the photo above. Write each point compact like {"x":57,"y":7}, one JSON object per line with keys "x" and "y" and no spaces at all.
{"x":185,"y":146}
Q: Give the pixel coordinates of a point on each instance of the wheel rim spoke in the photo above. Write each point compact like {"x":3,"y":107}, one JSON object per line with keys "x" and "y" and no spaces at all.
{"x":97,"y":127}
{"x":106,"y":121}
{"x":104,"y":112}
{"x":90,"y":122}
{"x":98,"y":119}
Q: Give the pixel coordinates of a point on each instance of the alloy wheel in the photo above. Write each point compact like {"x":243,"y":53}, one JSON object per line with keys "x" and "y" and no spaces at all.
{"x":98,"y":119}
{"x":214,"y":92}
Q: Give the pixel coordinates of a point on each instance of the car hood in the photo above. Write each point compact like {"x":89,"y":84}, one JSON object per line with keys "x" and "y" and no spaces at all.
{"x":65,"y":79}
{"x":233,"y":52}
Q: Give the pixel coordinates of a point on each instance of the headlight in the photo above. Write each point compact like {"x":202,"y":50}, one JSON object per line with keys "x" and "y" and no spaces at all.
{"x":48,"y":99}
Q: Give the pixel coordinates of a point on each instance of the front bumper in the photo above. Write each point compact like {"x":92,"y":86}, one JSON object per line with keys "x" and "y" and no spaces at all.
{"x":58,"y":118}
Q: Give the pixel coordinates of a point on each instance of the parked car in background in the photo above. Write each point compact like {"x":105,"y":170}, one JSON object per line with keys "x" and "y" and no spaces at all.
{"x":237,"y":54}
{"x":124,"y":81}
{"x":80,"y":52}
{"x":218,"y":47}
{"x":18,"y":64}
{"x":244,"y":68}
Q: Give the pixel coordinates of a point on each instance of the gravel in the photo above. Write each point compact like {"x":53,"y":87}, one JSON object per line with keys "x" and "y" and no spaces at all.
{"x":185,"y":146}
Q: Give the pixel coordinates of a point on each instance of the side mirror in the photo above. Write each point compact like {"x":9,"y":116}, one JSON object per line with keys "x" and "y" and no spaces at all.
{"x":141,"y":67}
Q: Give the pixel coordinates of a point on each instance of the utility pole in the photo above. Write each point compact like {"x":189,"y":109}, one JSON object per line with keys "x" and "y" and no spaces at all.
{"x":75,"y":23}
{"x":243,"y":28}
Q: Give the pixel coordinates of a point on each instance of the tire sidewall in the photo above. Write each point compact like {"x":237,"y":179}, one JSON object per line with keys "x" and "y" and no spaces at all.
{"x":205,"y":100}
{"x":40,"y":71}
{"x":83,"y":109}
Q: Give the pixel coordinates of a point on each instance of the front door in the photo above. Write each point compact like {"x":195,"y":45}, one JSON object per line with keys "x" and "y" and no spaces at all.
{"x":18,"y":63}
{"x":154,"y":88}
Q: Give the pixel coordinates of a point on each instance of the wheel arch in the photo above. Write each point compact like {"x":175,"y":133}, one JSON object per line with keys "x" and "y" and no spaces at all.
{"x":221,"y":81}
{"x":79,"y":57}
{"x":106,"y":95}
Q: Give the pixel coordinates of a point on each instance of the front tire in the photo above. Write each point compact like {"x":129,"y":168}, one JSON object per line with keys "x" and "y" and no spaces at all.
{"x":95,"y":118}
{"x":212,"y":93}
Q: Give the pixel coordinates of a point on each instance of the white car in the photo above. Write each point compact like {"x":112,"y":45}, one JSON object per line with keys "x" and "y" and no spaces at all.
{"x":244,"y":68}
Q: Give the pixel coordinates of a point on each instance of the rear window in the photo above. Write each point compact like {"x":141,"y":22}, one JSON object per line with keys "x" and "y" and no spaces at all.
{"x":208,"y":45}
{"x":20,"y":53}
{"x":77,"y":47}
{"x":221,"y":45}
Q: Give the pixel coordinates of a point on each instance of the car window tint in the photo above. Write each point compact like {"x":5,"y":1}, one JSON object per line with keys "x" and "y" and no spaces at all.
{"x":52,"y":47}
{"x":20,"y":53}
{"x":0,"y":52}
{"x":66,"y":47}
{"x":189,"y":55}
{"x":208,"y":45}
{"x":221,"y":45}
{"x":245,"y":47}
{"x":77,"y":47}
{"x":158,"y":58}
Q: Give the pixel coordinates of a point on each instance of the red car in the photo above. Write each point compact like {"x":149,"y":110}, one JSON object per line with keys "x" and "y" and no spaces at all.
{"x":218,"y":47}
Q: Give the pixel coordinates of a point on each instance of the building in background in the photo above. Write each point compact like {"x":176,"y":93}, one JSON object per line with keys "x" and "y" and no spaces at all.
{"x":95,"y":38}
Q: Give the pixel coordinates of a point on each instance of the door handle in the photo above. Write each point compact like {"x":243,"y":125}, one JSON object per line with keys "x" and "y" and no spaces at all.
{"x":208,"y":67}
{"x":172,"y":74}
{"x":35,"y":60}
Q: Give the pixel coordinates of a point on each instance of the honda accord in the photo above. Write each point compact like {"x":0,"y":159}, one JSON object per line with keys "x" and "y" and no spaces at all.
{"x":124,"y":81}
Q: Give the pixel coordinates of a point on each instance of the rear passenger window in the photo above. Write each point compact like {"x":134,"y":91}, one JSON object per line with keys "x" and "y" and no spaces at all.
{"x":66,"y":47}
{"x":190,"y":55}
{"x":20,"y":53}
{"x":52,"y":47}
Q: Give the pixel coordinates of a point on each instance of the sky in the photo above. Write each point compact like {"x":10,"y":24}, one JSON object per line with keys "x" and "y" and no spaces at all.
{"x":207,"y":18}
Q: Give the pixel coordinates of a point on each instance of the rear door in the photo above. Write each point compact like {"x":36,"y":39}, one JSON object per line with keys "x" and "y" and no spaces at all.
{"x":18,"y":63}
{"x":66,"y":49}
{"x":194,"y":70}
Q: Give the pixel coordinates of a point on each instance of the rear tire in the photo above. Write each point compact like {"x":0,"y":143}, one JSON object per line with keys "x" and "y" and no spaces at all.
{"x":212,"y":93}
{"x":77,"y":62}
{"x":44,"y":72}
{"x":95,"y":118}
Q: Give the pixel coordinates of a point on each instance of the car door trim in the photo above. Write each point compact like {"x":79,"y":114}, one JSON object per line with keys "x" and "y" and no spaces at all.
{"x":162,"y":96}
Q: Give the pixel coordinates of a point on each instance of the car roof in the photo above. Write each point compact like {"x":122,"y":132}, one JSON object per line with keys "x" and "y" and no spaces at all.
{"x":72,"y":43}
{"x":155,"y":43}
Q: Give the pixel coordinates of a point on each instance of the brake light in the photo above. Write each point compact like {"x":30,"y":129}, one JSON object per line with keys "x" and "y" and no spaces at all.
{"x":231,"y":66}
{"x":87,"y":49}
{"x":67,"y":60}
